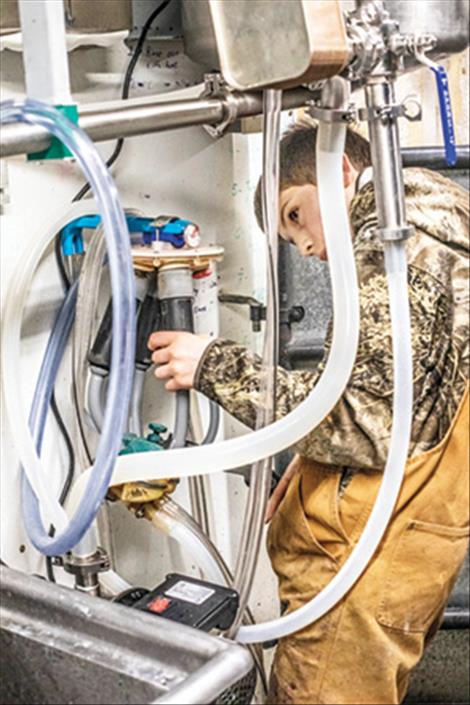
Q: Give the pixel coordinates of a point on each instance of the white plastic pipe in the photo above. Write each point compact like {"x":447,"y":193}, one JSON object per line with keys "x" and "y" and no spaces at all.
{"x":271,"y":439}
{"x":395,"y":265}
{"x":45,"y":51}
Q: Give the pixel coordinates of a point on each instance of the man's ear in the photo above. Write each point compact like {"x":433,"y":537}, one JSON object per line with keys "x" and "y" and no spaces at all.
{"x":349,"y":172}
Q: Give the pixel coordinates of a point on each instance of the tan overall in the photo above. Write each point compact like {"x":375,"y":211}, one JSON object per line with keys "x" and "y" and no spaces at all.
{"x":364,"y":649}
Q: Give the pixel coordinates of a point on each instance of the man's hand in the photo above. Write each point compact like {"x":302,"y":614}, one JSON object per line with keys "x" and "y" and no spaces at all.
{"x":281,"y":488}
{"x":177,"y":356}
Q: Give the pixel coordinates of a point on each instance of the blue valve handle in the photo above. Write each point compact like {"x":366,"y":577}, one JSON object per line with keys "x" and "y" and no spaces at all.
{"x":172,"y":231}
{"x":445,"y":106}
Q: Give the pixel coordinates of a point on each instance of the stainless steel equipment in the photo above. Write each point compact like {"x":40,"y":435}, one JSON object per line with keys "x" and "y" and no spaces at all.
{"x":254,"y":43}
{"x":59,"y":645}
{"x":447,"y":20}
{"x":136,"y":117}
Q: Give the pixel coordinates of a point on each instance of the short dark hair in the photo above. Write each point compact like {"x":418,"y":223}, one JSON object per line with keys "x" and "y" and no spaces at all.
{"x":297,"y":158}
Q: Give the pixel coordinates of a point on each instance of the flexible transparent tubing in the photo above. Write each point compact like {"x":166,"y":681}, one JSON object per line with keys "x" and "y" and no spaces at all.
{"x":52,"y":358}
{"x":174,"y":521}
{"x":86,"y":322}
{"x":16,"y":298}
{"x":123,"y":343}
{"x":283,"y":433}
{"x":261,"y":471}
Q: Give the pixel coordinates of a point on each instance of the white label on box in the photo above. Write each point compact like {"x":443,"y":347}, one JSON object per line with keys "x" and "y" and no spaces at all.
{"x":197,"y":594}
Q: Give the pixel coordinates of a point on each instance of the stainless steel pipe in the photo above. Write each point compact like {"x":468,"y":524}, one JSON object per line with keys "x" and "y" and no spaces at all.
{"x":386,"y":160}
{"x":136,"y":117}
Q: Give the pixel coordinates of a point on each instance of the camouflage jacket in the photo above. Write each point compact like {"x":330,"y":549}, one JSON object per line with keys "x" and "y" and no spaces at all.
{"x":356,"y":433}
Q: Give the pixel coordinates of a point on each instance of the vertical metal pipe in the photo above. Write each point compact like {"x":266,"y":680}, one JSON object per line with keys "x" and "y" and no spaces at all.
{"x":386,"y":157}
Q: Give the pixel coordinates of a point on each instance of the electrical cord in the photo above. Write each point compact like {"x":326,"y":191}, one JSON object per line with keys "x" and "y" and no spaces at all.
{"x":68,"y":479}
{"x":126,"y":86}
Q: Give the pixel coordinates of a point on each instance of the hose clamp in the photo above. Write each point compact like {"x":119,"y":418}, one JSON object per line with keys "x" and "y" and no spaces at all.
{"x":215,"y":87}
{"x":333,"y":115}
{"x":97,"y":562}
{"x":395,"y":234}
{"x":410,"y":109}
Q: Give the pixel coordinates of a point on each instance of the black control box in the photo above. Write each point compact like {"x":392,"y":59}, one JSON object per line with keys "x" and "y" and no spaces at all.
{"x":193,"y":602}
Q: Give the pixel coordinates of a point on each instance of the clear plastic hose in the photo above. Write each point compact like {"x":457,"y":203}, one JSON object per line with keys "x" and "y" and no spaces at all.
{"x":122,"y":281}
{"x":11,"y":325}
{"x":86,"y":323}
{"x":174,"y":521}
{"x":396,"y":270}
{"x":49,"y":367}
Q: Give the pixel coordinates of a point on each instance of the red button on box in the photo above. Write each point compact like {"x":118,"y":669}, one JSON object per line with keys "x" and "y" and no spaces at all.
{"x":159,"y":605}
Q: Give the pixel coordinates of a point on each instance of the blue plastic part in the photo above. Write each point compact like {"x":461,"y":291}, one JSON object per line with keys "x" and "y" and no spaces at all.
{"x":172,"y":232}
{"x":447,"y":119}
{"x":72,"y":234}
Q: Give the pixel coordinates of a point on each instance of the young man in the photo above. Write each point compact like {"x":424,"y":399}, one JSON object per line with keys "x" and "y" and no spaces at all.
{"x":363,"y":650}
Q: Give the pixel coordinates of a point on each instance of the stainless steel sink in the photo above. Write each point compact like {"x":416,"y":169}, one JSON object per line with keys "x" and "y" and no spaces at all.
{"x":60,"y":646}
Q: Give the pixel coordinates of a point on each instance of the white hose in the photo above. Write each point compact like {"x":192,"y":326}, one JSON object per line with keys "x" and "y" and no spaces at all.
{"x":272,"y":439}
{"x":395,"y":266}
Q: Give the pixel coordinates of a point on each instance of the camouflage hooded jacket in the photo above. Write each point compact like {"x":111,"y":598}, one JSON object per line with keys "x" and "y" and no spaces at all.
{"x":356,"y":433}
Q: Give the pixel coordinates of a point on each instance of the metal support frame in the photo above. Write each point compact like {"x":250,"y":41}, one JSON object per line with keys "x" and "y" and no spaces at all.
{"x":141,"y":117}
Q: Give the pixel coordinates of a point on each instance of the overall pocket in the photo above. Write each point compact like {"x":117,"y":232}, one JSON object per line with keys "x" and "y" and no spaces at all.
{"x":425,"y":562}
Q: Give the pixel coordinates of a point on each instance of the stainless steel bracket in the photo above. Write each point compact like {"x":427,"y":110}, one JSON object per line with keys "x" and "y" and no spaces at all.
{"x":409,"y":109}
{"x":332,"y":114}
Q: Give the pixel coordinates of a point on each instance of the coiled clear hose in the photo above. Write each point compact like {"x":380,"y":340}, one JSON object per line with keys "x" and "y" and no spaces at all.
{"x":122,"y":280}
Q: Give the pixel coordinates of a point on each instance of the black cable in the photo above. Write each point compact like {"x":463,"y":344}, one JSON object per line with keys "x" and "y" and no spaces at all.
{"x":68,"y":479}
{"x":64,"y":277}
{"x":68,"y":443}
{"x":126,"y":86}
